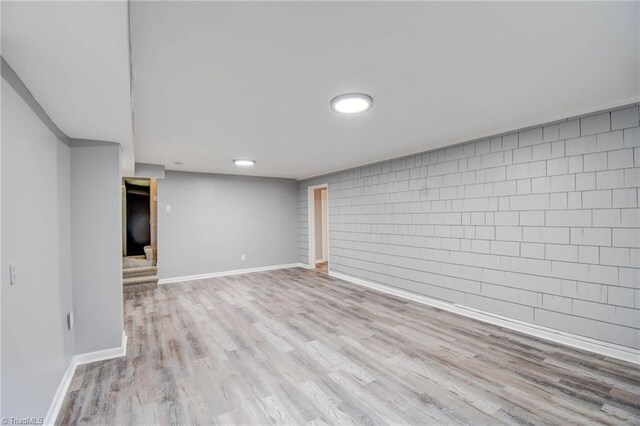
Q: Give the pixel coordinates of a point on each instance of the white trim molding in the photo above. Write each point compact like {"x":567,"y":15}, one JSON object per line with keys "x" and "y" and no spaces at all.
{"x":569,"y":339}
{"x":227,"y":273}
{"x":86,"y":358}
{"x":61,"y":392}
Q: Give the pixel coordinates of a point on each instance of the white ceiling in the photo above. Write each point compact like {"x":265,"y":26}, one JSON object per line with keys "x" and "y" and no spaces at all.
{"x":218,"y":81}
{"x":74,"y":58}
{"x":214,"y":81}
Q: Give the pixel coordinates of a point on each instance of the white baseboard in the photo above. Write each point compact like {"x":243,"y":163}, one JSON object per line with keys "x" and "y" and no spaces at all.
{"x":104,"y":354}
{"x":227,"y":273}
{"x":569,"y":339}
{"x":61,"y":392}
{"x":86,"y":358}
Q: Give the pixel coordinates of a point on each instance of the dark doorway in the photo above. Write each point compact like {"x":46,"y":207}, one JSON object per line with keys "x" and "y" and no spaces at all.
{"x":138,"y":218}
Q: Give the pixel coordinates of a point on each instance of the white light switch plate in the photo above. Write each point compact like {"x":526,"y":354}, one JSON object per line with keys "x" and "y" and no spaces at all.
{"x":168,"y":207}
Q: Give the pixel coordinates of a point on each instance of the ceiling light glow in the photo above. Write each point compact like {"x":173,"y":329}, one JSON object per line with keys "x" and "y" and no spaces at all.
{"x":244,"y":163}
{"x":352,"y":103}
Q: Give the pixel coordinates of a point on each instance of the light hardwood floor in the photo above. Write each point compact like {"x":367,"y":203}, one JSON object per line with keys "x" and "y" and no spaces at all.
{"x":299,"y":347}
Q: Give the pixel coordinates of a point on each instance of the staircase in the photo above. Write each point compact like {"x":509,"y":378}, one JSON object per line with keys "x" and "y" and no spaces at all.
{"x":140,"y":272}
{"x":140,"y":278}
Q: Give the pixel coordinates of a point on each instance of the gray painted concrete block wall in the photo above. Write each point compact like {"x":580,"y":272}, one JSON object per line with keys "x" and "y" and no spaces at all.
{"x":540,"y":225}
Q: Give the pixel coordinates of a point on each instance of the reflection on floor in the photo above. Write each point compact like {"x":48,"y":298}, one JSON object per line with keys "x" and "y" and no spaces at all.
{"x":322,"y":267}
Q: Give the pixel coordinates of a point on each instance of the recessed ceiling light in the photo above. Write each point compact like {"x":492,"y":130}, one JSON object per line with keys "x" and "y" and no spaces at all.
{"x":351,"y":103}
{"x":244,"y":163}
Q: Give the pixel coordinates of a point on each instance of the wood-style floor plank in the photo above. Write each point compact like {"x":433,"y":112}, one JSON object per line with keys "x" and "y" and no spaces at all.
{"x":293,"y":347}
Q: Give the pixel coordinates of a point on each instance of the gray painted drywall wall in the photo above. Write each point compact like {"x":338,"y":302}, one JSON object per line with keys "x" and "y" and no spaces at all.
{"x":36,"y":346}
{"x":540,"y":225}
{"x":96,"y":243}
{"x":149,"y":170}
{"x":216,"y":218}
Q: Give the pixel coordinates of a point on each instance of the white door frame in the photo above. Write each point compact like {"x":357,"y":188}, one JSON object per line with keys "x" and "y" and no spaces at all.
{"x":312,"y":221}
{"x":325,"y":224}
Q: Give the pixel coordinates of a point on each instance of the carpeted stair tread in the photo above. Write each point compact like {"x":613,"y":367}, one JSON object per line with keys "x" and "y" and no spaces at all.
{"x":140,"y":280}
{"x":140,"y":287}
{"x":141,"y":268}
{"x":140,"y":271}
{"x":129,"y":262}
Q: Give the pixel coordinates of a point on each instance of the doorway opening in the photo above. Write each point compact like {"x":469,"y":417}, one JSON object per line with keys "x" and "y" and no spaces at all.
{"x":318,"y":228}
{"x":139,"y":233}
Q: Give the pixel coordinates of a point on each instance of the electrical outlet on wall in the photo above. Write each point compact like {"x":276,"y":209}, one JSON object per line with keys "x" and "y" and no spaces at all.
{"x":242,"y":258}
{"x":70,"y":320}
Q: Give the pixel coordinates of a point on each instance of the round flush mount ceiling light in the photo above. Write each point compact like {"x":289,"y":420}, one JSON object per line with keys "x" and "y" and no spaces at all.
{"x":244,"y":163}
{"x":351,"y":103}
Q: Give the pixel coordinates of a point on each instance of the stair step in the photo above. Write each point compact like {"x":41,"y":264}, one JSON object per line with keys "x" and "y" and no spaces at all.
{"x":140,"y":271}
{"x":135,"y":263}
{"x":140,"y":287}
{"x":140,"y":280}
